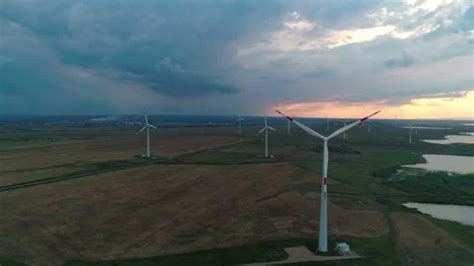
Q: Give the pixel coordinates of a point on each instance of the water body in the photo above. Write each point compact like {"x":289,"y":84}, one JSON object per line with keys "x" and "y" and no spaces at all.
{"x":468,"y":124}
{"x":467,"y":133}
{"x":421,"y":127}
{"x":467,"y":138}
{"x":446,"y":163}
{"x":456,"y":213}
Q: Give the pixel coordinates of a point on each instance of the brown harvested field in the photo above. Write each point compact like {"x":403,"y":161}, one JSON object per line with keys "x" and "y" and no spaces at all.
{"x":14,"y":163}
{"x":426,"y":244}
{"x":29,"y":175}
{"x":163,"y":209}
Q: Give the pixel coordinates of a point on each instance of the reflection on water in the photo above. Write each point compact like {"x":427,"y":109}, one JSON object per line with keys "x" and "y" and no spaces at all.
{"x":467,"y":138}
{"x":448,"y":163}
{"x":457,"y":213}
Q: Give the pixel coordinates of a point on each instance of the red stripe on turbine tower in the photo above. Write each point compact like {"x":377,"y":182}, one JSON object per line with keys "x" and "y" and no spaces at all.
{"x":325,"y":180}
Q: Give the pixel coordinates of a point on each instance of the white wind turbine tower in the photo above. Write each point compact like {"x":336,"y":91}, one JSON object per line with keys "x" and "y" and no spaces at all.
{"x":343,"y":134}
{"x":147,"y":126}
{"x":266,"y":128}
{"x":289,"y":128}
{"x":240,"y":120}
{"x":410,"y":129}
{"x":416,"y":127}
{"x":323,"y":218}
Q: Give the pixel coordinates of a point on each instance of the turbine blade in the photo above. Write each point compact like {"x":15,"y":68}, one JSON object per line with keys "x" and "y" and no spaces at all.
{"x":265,"y":119}
{"x":263,"y":129}
{"x":343,"y":129}
{"x":309,"y":130}
{"x":152,"y":126}
{"x":143,"y":128}
{"x":287,"y":117}
{"x":302,"y":126}
{"x":269,"y":127}
{"x":369,"y":116}
{"x":146,"y":119}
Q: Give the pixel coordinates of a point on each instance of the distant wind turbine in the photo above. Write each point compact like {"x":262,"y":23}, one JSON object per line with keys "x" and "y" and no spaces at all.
{"x":416,"y":127}
{"x":240,"y":120}
{"x":147,"y":126}
{"x":323,"y":218}
{"x":266,"y":128}
{"x":289,"y":128}
{"x":344,"y":122}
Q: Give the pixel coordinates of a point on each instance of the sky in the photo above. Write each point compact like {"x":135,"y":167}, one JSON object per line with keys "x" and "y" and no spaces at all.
{"x":412,"y":59}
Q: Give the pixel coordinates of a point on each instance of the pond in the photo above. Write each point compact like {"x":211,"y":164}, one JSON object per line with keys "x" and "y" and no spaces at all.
{"x":447,"y":163}
{"x":456,"y":213}
{"x":466,"y":138}
{"x":422,"y":127}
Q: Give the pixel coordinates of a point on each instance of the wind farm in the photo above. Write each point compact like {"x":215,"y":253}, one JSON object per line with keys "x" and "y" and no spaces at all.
{"x":272,"y":205}
{"x":218,"y":133}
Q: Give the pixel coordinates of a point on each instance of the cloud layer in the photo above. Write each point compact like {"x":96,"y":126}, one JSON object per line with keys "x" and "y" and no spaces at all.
{"x":224,"y":57}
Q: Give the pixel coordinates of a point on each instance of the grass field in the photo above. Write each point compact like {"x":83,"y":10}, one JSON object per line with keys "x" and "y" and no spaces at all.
{"x":208,"y":197}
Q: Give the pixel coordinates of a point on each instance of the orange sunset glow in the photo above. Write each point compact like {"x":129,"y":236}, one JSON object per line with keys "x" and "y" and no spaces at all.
{"x":418,"y":108}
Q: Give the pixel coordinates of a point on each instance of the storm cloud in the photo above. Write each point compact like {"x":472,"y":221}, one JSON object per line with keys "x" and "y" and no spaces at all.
{"x":227,"y":56}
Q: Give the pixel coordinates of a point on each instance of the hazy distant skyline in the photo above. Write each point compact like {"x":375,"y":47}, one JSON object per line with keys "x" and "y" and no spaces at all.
{"x":413,"y":59}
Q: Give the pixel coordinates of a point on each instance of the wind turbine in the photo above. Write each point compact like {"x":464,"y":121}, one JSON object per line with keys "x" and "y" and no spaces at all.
{"x":147,"y":126}
{"x":240,"y":120}
{"x":410,"y":129}
{"x":323,"y":216}
{"x":266,"y":128}
{"x":289,"y":128}
{"x":344,"y":122}
{"x":416,"y":127}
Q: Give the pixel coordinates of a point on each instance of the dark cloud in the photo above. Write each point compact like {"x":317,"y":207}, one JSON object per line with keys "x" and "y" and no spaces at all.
{"x":117,"y":56}
{"x":403,"y":61}
{"x":176,"y":84}
{"x":134,"y":37}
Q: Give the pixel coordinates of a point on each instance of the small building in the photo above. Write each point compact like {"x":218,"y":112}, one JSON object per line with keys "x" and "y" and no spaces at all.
{"x":342,"y":248}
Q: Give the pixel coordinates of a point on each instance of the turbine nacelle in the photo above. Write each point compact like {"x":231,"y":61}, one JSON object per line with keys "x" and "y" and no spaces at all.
{"x":147,"y":125}
{"x":266,"y":127}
